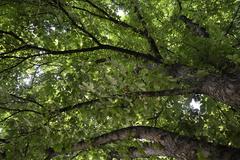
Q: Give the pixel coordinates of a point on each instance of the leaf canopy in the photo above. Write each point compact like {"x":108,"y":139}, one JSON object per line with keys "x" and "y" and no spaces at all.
{"x":71,"y":70}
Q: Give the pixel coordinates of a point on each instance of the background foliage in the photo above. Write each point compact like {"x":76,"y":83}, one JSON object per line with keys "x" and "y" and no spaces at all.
{"x":35,"y":83}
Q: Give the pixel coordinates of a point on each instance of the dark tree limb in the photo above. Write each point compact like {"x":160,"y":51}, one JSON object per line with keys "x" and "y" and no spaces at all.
{"x":11,"y":115}
{"x":179,"y":5}
{"x":4,"y":141}
{"x":21,"y":48}
{"x":142,"y":32}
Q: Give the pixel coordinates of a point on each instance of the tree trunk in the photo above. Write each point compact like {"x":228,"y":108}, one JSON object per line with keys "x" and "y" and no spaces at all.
{"x":223,"y":88}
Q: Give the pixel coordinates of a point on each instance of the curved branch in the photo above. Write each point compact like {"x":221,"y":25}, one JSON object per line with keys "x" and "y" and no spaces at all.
{"x":6,"y":118}
{"x":173,"y":145}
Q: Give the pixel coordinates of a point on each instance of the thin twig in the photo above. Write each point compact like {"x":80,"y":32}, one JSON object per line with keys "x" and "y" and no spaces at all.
{"x":26,"y":99}
{"x":147,"y":34}
{"x":232,"y":22}
{"x":14,"y":35}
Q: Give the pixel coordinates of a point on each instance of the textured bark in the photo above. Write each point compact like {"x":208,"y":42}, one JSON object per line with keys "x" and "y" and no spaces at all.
{"x":195,"y":28}
{"x":223,"y":88}
{"x":146,"y":150}
{"x":173,"y":145}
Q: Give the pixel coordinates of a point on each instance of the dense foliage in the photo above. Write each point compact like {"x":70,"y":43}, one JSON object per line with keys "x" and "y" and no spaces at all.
{"x":72,"y":70}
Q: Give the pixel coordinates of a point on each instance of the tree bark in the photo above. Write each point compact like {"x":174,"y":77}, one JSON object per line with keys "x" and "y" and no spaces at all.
{"x":146,"y":150}
{"x":172,"y":145}
{"x":223,"y":88}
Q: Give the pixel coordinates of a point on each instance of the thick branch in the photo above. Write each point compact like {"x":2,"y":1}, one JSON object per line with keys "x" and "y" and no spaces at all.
{"x":223,"y":88}
{"x":173,"y":145}
{"x":146,"y":151}
{"x":133,"y":53}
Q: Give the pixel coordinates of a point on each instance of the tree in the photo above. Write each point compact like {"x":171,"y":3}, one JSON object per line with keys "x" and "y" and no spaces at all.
{"x":101,"y":79}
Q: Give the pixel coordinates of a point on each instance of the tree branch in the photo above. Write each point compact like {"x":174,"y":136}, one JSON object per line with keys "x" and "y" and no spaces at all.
{"x":143,"y":33}
{"x":232,"y":22}
{"x":170,"y":92}
{"x":26,"y":99}
{"x":20,"y":110}
{"x":4,"y":119}
{"x":82,"y":50}
{"x":98,"y":8}
{"x":14,"y":66}
{"x":173,"y":145}
{"x":146,"y":150}
{"x":114,"y":20}
{"x":195,"y":28}
{"x":14,"y":35}
{"x":21,"y":48}
{"x":4,"y":141}
{"x":179,"y":5}
{"x":81,"y":28}
{"x":147,"y":35}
